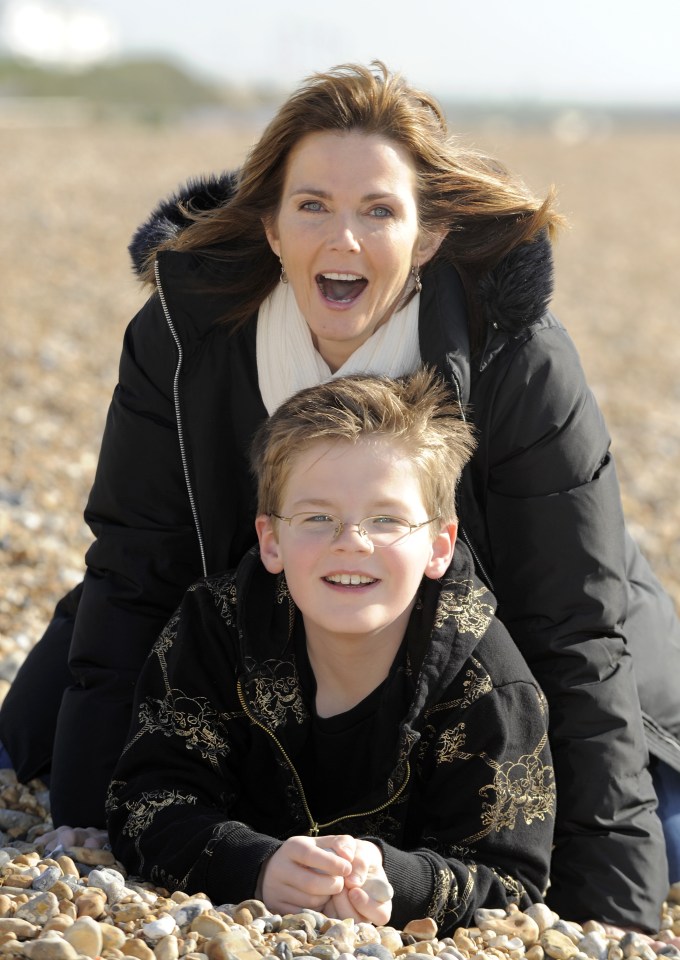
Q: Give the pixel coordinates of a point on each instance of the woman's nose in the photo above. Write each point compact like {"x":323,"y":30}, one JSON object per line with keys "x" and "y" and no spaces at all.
{"x":344,"y":235}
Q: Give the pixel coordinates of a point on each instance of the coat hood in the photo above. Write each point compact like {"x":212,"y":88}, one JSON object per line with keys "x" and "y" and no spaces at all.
{"x":515,"y":293}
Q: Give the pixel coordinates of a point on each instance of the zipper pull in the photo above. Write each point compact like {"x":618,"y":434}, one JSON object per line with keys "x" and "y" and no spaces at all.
{"x":313,"y":830}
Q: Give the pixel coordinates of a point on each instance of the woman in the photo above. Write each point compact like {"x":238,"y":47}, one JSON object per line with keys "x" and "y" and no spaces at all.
{"x":356,"y":237}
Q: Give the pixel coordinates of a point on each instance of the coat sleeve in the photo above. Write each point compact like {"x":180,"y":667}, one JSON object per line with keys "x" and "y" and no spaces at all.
{"x":143,"y":558}
{"x":172,"y":789}
{"x":556,"y":534}
{"x":491,"y":765}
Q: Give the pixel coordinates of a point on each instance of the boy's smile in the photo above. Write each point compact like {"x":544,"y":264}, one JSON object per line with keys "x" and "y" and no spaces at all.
{"x":346,"y":588}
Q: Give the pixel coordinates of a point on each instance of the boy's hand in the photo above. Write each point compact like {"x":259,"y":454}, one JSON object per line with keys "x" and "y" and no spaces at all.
{"x":306,"y":872}
{"x":367,"y":894}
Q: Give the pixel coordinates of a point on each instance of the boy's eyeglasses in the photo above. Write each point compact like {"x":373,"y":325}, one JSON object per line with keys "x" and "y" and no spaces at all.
{"x":381,"y":531}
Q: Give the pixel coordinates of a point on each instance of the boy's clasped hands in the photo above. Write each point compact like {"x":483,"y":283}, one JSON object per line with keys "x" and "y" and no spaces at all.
{"x":336,"y":875}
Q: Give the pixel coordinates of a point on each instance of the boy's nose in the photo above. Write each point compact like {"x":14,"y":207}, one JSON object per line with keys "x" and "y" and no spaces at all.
{"x":350,"y":536}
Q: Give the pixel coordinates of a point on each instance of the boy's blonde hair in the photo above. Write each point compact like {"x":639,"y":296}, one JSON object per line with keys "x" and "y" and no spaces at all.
{"x":416,"y":414}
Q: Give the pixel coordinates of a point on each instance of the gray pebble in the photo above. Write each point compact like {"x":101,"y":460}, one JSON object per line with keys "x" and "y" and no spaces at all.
{"x":189,"y":910}
{"x":283,"y":951}
{"x":318,"y":918}
{"x":110,"y":881}
{"x":324,"y":951}
{"x":568,"y":930}
{"x":374,"y":950}
{"x":594,"y":945}
{"x":17,"y":820}
{"x":47,"y":878}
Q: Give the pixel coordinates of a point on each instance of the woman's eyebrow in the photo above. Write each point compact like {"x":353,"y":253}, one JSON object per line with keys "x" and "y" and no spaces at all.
{"x":324,"y":195}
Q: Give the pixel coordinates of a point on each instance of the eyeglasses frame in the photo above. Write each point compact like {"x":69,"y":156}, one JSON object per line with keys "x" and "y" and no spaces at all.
{"x":341,"y":524}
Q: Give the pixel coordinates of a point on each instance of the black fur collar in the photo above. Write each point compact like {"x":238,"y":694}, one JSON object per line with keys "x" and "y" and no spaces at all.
{"x":516,"y":292}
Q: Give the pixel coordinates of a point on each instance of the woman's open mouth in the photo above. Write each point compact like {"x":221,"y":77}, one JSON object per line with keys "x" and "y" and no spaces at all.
{"x":341,"y":287}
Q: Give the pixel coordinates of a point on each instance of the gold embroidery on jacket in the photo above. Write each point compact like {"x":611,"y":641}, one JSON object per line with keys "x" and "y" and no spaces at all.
{"x":523,"y":787}
{"x":276,"y":694}
{"x":477,"y":684}
{"x":467,"y":607}
{"x":143,"y":811}
{"x":444,"y":892}
{"x":224,"y":593}
{"x":450,"y":745}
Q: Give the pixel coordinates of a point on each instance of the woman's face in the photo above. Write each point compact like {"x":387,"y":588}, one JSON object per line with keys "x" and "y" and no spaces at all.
{"x":347,"y":232}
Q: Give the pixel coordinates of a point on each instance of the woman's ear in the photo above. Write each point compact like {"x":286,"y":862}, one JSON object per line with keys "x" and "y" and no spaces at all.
{"x":270,"y":549}
{"x":442,"y":551}
{"x":272,"y":234}
{"x":428,"y":244}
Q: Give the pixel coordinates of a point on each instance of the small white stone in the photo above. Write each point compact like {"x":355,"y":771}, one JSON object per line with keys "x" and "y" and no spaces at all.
{"x":156,"y":929}
{"x":378,"y":889}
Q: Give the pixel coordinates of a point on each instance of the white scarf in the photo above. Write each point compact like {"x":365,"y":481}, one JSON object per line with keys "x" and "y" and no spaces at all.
{"x":287,"y":360}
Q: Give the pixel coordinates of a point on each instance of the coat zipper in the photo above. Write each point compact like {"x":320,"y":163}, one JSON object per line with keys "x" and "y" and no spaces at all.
{"x":178,"y":417}
{"x":314,"y":826}
{"x":463,"y":531}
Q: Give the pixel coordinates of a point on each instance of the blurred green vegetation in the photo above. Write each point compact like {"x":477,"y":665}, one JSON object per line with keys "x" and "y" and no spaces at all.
{"x":158,"y":90}
{"x":143,"y":89}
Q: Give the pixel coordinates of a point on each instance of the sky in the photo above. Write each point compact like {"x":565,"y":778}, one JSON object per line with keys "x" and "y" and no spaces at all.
{"x":545,"y":50}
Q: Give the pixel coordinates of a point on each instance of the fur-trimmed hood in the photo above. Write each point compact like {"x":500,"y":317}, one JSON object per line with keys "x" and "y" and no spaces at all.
{"x":515,"y":293}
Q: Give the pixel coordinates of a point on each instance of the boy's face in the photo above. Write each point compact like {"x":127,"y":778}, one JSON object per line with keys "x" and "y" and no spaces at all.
{"x":352,"y":482}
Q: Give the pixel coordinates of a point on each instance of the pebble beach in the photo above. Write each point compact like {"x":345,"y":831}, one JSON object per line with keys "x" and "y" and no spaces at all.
{"x":80,"y":903}
{"x":72,"y":198}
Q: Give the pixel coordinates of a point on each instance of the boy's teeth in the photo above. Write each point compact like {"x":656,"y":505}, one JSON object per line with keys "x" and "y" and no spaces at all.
{"x":353,"y":579}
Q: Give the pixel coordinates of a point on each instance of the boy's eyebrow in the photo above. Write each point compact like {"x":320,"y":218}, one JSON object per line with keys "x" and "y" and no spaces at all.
{"x":311,"y":502}
{"x":382,"y":506}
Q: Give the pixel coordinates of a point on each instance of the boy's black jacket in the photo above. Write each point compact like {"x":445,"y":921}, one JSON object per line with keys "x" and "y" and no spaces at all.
{"x":458,"y":788}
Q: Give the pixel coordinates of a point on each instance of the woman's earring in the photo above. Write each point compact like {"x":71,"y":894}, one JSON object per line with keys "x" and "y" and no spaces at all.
{"x":284,"y":275}
{"x":417,"y":283}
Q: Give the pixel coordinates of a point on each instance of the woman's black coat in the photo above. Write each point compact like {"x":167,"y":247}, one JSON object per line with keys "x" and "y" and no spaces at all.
{"x":539,"y":505}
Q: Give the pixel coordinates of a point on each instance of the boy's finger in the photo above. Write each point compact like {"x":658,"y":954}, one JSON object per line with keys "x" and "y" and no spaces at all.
{"x":378,"y":913}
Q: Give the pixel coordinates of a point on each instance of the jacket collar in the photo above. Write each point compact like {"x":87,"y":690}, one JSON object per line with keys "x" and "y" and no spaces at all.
{"x":454,"y":614}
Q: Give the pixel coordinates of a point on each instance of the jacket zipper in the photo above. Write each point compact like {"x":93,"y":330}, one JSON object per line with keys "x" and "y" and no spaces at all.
{"x":178,"y":416}
{"x":314,"y":826}
{"x":463,"y":531}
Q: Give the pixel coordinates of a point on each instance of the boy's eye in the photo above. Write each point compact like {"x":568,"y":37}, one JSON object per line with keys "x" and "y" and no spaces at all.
{"x":317,"y":519}
{"x":386,"y":523}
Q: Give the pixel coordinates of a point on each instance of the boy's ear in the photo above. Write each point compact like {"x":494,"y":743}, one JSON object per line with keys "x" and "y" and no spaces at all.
{"x":442,"y":551}
{"x":270,"y":550}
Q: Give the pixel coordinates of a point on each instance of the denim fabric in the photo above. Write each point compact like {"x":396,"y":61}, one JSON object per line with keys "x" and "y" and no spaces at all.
{"x":667,"y":786}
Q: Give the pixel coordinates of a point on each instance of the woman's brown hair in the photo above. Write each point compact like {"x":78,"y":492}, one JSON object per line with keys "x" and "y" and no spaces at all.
{"x":485,"y":211}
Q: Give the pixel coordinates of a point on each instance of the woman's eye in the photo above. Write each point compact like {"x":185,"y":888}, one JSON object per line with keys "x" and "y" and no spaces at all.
{"x":381,"y":212}
{"x":312,"y":205}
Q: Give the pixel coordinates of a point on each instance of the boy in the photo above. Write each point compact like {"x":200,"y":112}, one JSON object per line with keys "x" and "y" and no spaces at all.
{"x":341,"y":723}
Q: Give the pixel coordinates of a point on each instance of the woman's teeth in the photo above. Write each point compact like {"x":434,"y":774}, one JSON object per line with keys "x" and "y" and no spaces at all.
{"x":349,"y":579}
